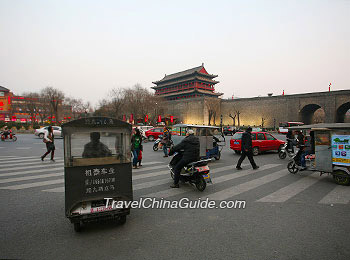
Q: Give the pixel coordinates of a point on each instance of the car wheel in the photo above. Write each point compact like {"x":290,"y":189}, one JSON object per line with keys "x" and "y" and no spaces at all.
{"x":255,"y":151}
{"x":41,"y":135}
{"x":151,"y":138}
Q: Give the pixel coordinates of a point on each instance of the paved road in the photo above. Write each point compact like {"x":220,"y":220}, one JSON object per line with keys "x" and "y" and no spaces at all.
{"x":287,"y":216}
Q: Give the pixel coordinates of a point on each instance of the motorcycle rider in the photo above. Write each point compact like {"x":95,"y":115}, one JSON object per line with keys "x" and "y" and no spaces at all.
{"x":290,"y":138}
{"x":190,"y":145}
{"x":6,"y":132}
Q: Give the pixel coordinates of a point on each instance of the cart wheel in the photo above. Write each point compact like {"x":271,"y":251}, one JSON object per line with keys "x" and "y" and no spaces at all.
{"x":292,"y":167}
{"x":341,"y":177}
{"x":77,"y":227}
{"x":14,"y":138}
{"x":255,"y":151}
{"x":41,"y":135}
{"x":122,"y":220}
{"x":218,"y":156}
{"x":282,"y":155}
{"x":201,"y":184}
{"x":155,"y":148}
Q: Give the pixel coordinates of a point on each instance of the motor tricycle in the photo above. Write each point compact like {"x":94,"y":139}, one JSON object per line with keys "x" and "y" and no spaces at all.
{"x":97,"y":170}
{"x":329,"y":151}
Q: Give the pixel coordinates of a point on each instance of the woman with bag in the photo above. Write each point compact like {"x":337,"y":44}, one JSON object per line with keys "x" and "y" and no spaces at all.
{"x":49,"y":141}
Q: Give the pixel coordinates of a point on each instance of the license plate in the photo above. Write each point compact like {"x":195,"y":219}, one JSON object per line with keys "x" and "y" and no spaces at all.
{"x":207,"y":176}
{"x":202,"y":168}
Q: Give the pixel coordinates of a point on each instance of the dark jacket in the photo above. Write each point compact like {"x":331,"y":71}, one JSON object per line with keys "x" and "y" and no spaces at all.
{"x":190,"y":145}
{"x":246,"y":141}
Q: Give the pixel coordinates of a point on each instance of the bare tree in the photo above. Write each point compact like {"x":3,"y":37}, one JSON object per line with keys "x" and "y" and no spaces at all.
{"x":238,"y":113}
{"x":233,"y":119}
{"x":55,"y":98}
{"x":212,"y":105}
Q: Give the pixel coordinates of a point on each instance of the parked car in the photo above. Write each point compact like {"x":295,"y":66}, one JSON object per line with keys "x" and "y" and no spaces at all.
{"x":57,"y":131}
{"x":229,"y":130}
{"x":262,"y":141}
{"x":154,"y":133}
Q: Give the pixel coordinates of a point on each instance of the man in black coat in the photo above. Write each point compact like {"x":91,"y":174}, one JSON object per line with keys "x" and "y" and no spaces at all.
{"x":190,"y":146}
{"x":247,"y":149}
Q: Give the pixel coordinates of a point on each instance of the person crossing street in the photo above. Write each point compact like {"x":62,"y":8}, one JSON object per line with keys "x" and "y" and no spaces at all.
{"x":247,"y":149}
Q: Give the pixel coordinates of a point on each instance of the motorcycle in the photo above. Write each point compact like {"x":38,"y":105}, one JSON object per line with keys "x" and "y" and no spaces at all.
{"x":9,"y":136}
{"x":284,"y":151}
{"x":156,"y":144}
{"x":195,"y":173}
{"x":294,"y":164}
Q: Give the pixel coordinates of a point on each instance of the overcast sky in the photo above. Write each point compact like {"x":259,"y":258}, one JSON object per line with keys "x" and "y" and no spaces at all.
{"x":257,"y":47}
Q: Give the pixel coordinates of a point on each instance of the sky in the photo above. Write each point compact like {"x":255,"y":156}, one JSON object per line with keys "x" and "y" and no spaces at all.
{"x":85,"y":48}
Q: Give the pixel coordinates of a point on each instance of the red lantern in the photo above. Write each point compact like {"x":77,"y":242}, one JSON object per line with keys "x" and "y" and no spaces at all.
{"x":172,"y":119}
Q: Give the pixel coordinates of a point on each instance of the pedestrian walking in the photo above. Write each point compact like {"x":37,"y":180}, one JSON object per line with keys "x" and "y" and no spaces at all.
{"x":166,"y":141}
{"x":247,"y":149}
{"x":136,"y":146}
{"x":49,"y":140}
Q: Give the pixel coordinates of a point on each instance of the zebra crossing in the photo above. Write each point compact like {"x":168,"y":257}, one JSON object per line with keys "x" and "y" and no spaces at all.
{"x":153,"y":180}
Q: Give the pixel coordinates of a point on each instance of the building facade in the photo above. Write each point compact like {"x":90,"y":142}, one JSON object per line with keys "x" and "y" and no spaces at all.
{"x":5,"y":103}
{"x":191,"y":83}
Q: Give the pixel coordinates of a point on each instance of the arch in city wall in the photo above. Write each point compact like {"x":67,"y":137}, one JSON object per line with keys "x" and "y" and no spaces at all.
{"x":341,"y":111}
{"x":306,"y":114}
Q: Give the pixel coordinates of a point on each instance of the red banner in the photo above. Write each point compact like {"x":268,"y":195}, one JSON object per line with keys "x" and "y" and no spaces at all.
{"x":146,"y":118}
{"x":131,"y":118}
{"x":159,"y":119}
{"x":172,"y":119}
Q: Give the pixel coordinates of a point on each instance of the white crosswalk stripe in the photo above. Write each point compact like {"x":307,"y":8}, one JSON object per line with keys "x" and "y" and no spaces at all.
{"x":12,"y":162}
{"x":240,"y":188}
{"x":153,"y":180}
{"x":339,"y":195}
{"x":32,"y":165}
{"x":293,"y":189}
{"x":172,"y":192}
{"x":31,"y":185}
{"x":53,"y":168}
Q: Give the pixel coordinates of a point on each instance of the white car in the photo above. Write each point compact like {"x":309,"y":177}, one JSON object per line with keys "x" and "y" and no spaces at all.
{"x":57,"y":131}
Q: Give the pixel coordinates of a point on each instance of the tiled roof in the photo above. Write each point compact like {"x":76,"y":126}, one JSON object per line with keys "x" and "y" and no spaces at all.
{"x":184,"y":73}
{"x":4,"y":89}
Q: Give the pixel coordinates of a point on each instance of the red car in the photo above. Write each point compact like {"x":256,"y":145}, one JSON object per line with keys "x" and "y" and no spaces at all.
{"x":262,"y":141}
{"x":154,"y":133}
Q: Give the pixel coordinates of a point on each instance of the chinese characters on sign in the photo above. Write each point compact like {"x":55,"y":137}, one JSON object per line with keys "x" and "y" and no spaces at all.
{"x":99,"y":180}
{"x":341,"y":149}
{"x":99,"y":121}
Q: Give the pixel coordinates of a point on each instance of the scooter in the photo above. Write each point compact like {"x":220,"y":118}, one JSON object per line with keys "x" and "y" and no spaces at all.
{"x":195,"y":173}
{"x":156,"y":144}
{"x":9,"y":136}
{"x":284,"y":151}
